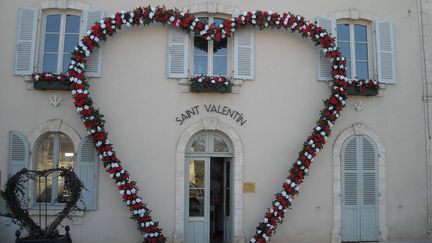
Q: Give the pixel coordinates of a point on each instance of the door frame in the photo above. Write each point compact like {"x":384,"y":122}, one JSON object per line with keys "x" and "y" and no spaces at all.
{"x":228,"y":223}
{"x":208,"y":160}
{"x":210,"y":124}
{"x":358,"y":129}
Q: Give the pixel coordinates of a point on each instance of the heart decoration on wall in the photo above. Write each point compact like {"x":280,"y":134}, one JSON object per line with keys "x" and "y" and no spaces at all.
{"x":14,"y":194}
{"x":94,"y":123}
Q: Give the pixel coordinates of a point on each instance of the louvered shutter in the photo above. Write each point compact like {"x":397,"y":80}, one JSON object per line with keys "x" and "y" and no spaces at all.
{"x":18,"y":158}
{"x":26,"y":40}
{"x":18,"y":152}
{"x":244,"y":54}
{"x":178,"y":43}
{"x":324,"y":63}
{"x":87,"y":170}
{"x":94,"y":63}
{"x":385,"y":52}
{"x":350,"y":199}
{"x":369,"y":211}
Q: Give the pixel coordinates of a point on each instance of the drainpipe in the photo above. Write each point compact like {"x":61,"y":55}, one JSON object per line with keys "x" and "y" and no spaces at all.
{"x":427,"y":120}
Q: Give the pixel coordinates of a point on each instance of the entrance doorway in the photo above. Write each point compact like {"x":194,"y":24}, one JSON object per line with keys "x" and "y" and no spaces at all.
{"x":208,"y":180}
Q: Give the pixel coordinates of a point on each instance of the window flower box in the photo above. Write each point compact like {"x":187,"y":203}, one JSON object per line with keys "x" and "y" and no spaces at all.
{"x":363,"y":87}
{"x":362,"y":92}
{"x":51,"y":85}
{"x":210,"y":84}
{"x":49,"y":81}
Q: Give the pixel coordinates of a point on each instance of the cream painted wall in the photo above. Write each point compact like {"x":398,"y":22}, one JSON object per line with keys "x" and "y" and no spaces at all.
{"x":281,"y":106}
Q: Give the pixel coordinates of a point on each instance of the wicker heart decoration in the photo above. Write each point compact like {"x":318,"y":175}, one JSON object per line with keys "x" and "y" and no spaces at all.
{"x":14,"y":195}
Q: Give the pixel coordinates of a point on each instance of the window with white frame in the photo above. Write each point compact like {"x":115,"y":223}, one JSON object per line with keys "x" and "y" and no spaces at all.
{"x":54,"y":150}
{"x":367,"y":44}
{"x":193,"y":55}
{"x":61,"y":32}
{"x":210,"y":57}
{"x":44,"y":44}
{"x":354,"y":42}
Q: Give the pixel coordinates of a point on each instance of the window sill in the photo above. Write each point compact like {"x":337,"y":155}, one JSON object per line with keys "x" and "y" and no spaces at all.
{"x":382,"y":87}
{"x":185,"y":85}
{"x":50,"y":85}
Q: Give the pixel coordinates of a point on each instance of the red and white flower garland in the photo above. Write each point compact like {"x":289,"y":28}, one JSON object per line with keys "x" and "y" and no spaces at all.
{"x":94,"y":123}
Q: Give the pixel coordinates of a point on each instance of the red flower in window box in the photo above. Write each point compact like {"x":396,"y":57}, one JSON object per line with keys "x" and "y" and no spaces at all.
{"x":210,"y":84}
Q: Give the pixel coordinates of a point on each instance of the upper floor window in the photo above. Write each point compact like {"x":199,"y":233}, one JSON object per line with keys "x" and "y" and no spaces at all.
{"x":192,"y":55}
{"x":210,"y":57}
{"x":44,"y":44}
{"x":367,"y":44}
{"x":353,"y":41}
{"x":61,"y":35}
{"x":55,"y":150}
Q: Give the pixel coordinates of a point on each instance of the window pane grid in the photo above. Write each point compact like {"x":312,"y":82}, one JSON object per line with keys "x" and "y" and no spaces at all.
{"x":210,"y":57}
{"x":353,"y":43}
{"x":56,"y":150}
{"x":361,"y":51}
{"x":61,"y":36}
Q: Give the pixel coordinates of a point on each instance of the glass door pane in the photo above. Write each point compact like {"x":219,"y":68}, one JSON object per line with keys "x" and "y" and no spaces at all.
{"x":197,"y":185}
{"x":45,"y":160}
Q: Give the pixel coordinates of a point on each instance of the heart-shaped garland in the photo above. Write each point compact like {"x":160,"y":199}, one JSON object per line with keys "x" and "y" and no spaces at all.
{"x":15,"y":190}
{"x":94,"y":123}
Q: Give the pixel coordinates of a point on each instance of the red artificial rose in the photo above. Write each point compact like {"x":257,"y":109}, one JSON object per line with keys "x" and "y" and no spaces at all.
{"x":333,"y":101}
{"x":218,"y":37}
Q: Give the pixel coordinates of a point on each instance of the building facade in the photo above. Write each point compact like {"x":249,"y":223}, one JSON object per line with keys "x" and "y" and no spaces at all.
{"x":208,"y":164}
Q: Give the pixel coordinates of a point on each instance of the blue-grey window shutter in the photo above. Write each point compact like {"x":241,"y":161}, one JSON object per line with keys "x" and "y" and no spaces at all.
{"x":178,"y":52}
{"x":369,"y":210}
{"x":94,"y":63}
{"x":385,"y":52}
{"x":350,"y":200}
{"x":19,"y":154}
{"x":324,"y":63}
{"x":87,"y":170}
{"x":244,"y":62}
{"x":26,"y":40}
{"x":360,"y":214}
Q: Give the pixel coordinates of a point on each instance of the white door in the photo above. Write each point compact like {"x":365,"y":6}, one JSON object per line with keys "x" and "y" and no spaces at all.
{"x":197,"y":203}
{"x":359,"y":190}
{"x":208,"y":192}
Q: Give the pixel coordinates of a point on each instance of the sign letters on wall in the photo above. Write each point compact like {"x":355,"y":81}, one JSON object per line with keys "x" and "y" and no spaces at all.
{"x":211,"y":108}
